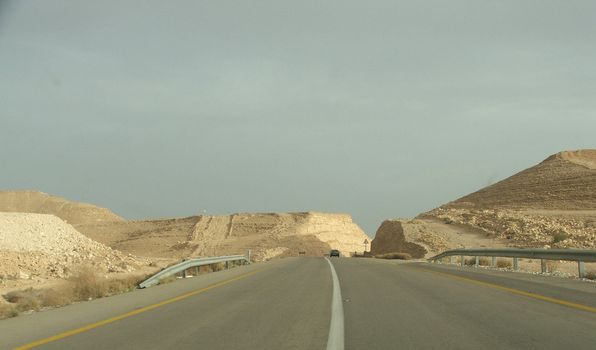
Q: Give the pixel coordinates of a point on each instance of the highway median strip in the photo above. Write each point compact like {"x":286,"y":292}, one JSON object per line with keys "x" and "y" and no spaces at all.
{"x":132,"y":313}
{"x":513,"y":291}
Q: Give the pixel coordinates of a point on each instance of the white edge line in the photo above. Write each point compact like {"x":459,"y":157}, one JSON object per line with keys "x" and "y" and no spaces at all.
{"x":335,"y":341}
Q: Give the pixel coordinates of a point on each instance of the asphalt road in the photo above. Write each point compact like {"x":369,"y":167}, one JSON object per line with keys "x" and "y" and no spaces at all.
{"x":287,"y":304}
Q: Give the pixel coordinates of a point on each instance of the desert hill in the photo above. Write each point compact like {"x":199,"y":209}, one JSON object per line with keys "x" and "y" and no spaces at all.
{"x":564,"y":181}
{"x":44,"y":238}
{"x":268,"y":235}
{"x":550,"y":204}
{"x":43,"y":203}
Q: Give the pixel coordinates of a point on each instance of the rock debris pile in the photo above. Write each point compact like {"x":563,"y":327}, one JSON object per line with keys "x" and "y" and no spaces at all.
{"x":526,"y":229}
{"x":40,"y":246}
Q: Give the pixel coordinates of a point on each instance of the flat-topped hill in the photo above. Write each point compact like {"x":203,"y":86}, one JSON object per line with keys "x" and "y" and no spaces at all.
{"x":43,"y":203}
{"x":564,"y":181}
{"x":268,"y":235}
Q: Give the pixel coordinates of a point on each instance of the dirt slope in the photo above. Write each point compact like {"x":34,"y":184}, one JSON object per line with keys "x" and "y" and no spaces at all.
{"x":268,"y":235}
{"x":154,"y":238}
{"x":43,"y":203}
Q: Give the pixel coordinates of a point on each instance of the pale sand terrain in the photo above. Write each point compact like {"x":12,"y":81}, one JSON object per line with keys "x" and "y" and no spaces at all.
{"x":556,"y":198}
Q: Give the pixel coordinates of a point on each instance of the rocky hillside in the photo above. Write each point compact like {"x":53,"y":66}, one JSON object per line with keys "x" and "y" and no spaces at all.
{"x":564,"y":181}
{"x":268,"y":235}
{"x":43,"y":203}
{"x":552,"y":203}
{"x":433,"y":235}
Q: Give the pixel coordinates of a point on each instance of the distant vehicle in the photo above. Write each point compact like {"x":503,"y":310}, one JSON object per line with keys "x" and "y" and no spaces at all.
{"x":334,"y":252}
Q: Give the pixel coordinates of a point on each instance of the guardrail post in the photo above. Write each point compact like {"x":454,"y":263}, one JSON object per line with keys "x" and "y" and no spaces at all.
{"x":493,"y":261}
{"x":581,"y":269}
{"x":227,"y":265}
{"x":463,"y":261}
{"x":450,"y":260}
{"x":543,"y":266}
{"x":248,"y":256}
{"x":515,"y":264}
{"x":184,"y":274}
{"x":476,"y":261}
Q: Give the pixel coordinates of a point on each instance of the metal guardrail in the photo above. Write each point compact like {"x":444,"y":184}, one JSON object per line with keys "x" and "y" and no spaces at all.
{"x":186,"y":264}
{"x":579,"y":255}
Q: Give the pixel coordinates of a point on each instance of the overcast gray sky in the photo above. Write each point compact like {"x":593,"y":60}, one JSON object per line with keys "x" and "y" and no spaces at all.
{"x":381,"y":109}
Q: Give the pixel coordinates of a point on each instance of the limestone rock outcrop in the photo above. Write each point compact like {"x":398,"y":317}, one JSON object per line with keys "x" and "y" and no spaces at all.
{"x":390,"y":238}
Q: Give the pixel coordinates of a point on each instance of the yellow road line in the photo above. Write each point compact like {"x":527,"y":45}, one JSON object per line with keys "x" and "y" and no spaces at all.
{"x":131,"y":313}
{"x":514,"y":291}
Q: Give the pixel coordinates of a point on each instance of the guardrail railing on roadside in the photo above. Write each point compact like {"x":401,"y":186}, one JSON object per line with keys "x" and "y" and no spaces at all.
{"x":580,"y":255}
{"x":187,"y":264}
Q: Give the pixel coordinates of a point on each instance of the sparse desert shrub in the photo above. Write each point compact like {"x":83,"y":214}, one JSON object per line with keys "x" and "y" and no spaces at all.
{"x":59,"y":296}
{"x":24,"y":300}
{"x":14,"y":296}
{"x":482,"y":261}
{"x":551,"y":266}
{"x":396,"y":255}
{"x":504,"y":264}
{"x":218,"y":267}
{"x":591,"y":275}
{"x":88,"y":284}
{"x":560,"y":236}
{"x":205,"y":269}
{"x":167,"y":280}
{"x":121,"y":285}
{"x":35,"y":299}
{"x":85,"y":284}
{"x":8,"y":310}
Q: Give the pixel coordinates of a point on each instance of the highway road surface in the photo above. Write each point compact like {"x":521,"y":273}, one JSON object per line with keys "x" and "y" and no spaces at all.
{"x":288,"y":304}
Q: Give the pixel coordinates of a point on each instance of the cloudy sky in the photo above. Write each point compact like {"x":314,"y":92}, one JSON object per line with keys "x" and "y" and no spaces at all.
{"x":381,"y":109}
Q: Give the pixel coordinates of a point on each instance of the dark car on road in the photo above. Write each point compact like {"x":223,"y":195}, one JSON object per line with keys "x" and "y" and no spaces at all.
{"x":334,"y":252}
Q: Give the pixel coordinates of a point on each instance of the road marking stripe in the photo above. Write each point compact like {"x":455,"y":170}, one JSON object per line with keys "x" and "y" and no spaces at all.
{"x":515,"y":291}
{"x":131,"y":313}
{"x":335,"y":341}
